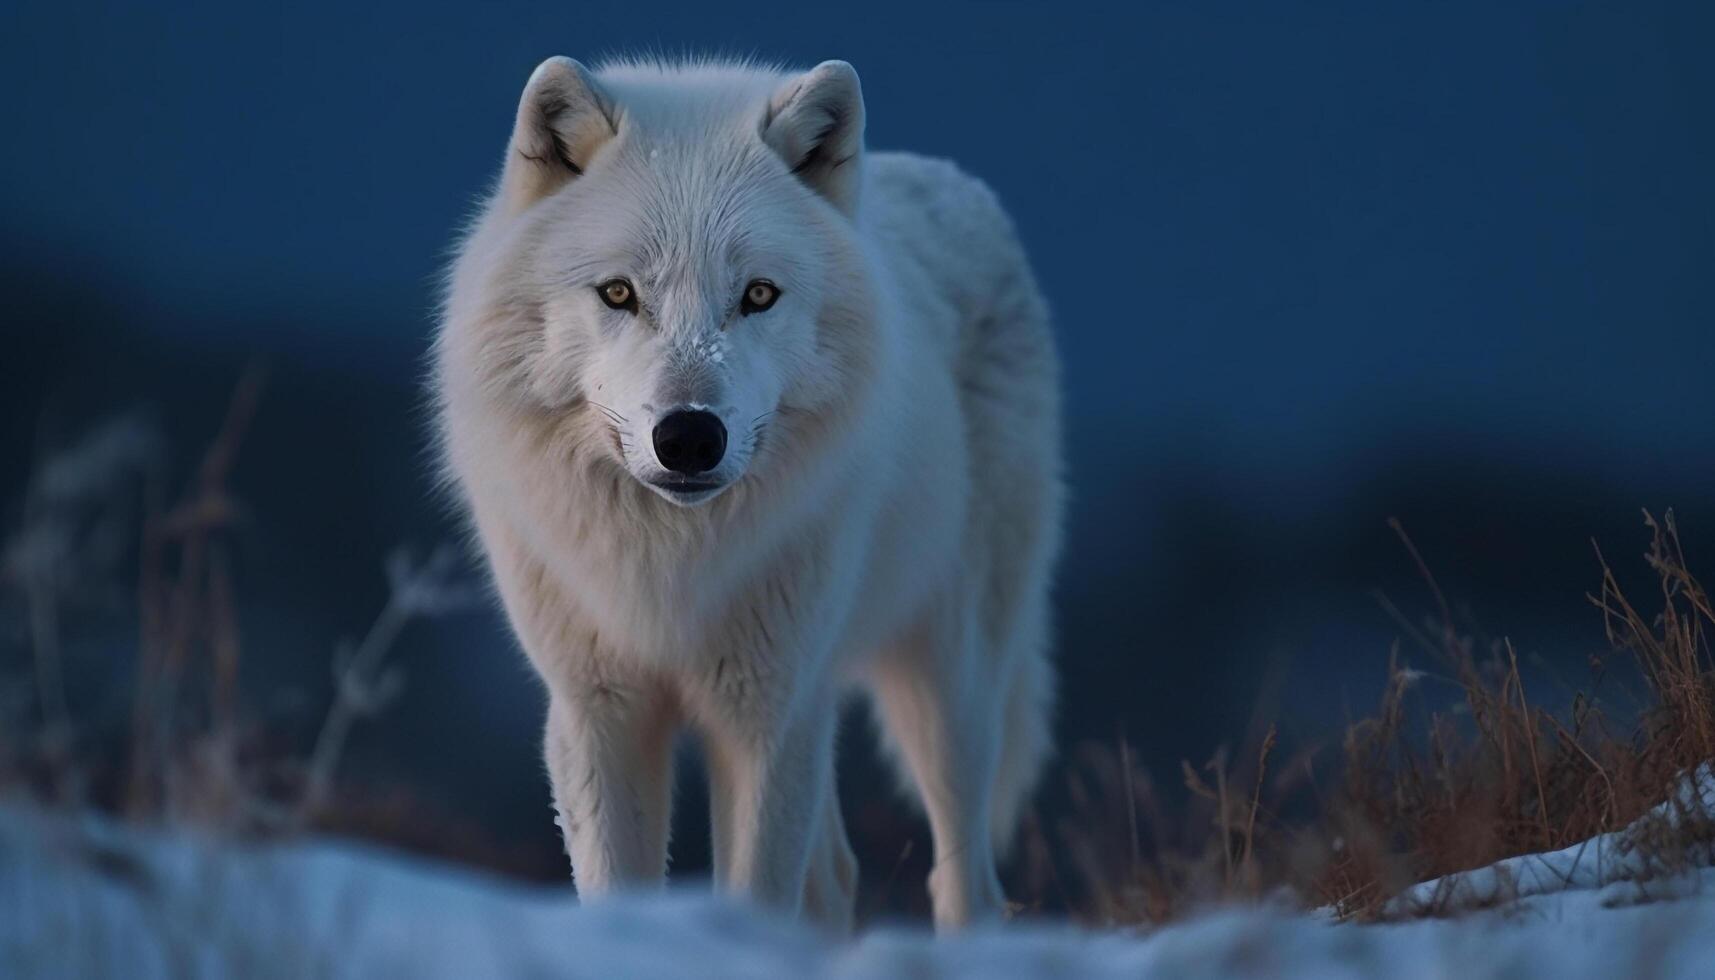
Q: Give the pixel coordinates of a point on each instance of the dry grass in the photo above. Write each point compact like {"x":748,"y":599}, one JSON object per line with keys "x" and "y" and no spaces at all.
{"x":190,"y":751}
{"x":1414,"y":791}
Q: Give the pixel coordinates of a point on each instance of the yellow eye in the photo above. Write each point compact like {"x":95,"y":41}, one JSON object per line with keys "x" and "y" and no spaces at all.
{"x":618,"y":294}
{"x":758,"y":296}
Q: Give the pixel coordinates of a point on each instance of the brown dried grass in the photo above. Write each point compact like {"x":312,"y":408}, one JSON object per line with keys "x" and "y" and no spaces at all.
{"x":191,"y":752}
{"x":1413,"y":792}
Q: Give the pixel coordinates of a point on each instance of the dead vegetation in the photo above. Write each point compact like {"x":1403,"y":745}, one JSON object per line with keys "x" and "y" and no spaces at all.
{"x":186,"y":750}
{"x":1458,"y":767}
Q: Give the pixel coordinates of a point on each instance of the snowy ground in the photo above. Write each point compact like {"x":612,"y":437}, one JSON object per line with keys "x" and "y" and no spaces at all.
{"x":85,"y":898}
{"x":1624,"y":868}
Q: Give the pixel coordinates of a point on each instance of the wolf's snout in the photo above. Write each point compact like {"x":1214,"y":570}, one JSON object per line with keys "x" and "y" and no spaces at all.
{"x":690,"y":442}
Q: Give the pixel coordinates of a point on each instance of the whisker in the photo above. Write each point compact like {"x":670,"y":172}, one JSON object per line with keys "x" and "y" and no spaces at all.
{"x":610,"y":413}
{"x":760,"y":448}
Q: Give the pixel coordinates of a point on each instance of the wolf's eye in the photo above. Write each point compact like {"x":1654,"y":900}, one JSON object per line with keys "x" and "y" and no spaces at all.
{"x":618,"y":295}
{"x":758,"y":296}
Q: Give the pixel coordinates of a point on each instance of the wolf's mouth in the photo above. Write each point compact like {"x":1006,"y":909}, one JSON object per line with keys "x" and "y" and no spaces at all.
{"x":687,"y":488}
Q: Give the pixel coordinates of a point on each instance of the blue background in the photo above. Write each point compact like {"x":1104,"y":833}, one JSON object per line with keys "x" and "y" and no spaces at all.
{"x":1312,"y":265}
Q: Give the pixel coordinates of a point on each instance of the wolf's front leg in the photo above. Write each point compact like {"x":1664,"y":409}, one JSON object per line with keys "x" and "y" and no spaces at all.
{"x":945,"y":715}
{"x":609,"y":753}
{"x":769,"y":789}
{"x":830,"y":886}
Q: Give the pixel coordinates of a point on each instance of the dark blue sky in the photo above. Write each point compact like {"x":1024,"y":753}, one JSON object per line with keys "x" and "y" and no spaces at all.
{"x":1313,"y":265}
{"x":1287,"y":228}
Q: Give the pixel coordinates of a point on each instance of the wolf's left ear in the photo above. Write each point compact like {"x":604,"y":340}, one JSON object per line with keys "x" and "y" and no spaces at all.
{"x":563,"y":118}
{"x":815,"y":123}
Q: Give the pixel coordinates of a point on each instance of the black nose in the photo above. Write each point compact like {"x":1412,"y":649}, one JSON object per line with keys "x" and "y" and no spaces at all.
{"x":690,"y":442}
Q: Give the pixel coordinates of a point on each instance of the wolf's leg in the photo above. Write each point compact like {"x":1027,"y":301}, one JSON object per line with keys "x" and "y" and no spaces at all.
{"x":1025,"y":742}
{"x":945,"y":714}
{"x":768,"y":789}
{"x":830,"y":890}
{"x":609,"y":737}
{"x":609,"y":753}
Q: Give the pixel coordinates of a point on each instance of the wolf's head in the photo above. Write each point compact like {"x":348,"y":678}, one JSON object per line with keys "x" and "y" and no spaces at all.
{"x":667,"y":274}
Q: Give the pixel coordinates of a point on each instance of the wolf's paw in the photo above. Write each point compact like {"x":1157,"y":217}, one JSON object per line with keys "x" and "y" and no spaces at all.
{"x":965,"y":894}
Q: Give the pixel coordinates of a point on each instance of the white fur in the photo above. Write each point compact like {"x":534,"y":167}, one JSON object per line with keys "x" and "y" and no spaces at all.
{"x":890,"y":499}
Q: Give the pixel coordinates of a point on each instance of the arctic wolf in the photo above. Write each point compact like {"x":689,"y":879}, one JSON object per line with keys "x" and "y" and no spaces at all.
{"x":747,"y":417}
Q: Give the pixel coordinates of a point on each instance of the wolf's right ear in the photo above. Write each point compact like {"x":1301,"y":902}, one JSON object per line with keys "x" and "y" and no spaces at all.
{"x":815,"y":123}
{"x":563,"y":118}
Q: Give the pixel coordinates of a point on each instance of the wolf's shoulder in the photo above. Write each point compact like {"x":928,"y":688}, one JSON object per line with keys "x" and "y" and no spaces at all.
{"x":934,"y":215}
{"x":935,"y":193}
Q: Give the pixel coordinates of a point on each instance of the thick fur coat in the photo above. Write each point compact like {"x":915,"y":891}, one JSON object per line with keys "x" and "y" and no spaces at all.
{"x":871,"y":498}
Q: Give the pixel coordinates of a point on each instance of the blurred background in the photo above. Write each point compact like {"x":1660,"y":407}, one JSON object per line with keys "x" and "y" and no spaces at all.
{"x":1312,"y":269}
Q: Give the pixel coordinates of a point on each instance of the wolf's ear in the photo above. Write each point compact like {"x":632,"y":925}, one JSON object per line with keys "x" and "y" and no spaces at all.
{"x":563,"y":118}
{"x":815,"y":123}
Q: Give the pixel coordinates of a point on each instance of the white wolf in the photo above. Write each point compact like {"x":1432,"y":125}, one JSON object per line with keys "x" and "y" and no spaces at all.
{"x":746,"y":417}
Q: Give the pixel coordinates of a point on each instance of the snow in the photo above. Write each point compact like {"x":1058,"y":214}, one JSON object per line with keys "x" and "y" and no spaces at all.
{"x":84,"y":897}
{"x":1613,"y":865}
